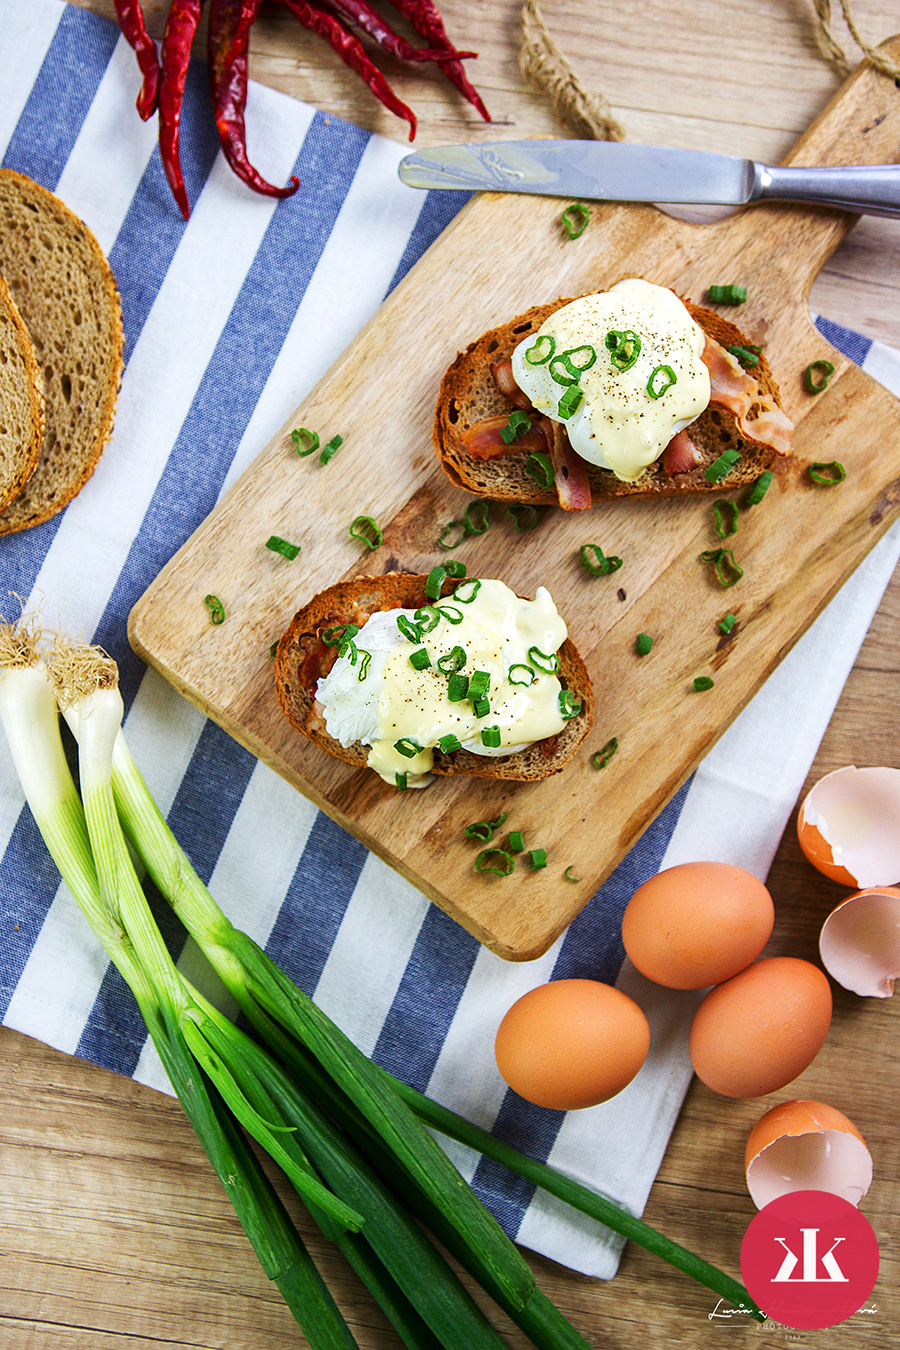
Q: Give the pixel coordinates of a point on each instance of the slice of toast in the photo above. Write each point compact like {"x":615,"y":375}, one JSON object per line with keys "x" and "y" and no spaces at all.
{"x":303,"y":657}
{"x":69,"y":302}
{"x":21,"y":401}
{"x":469,"y":395}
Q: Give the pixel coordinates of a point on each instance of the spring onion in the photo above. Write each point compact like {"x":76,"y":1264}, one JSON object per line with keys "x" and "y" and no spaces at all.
{"x":419,"y":659}
{"x":624,"y":347}
{"x":427,"y":618}
{"x":479,"y":683}
{"x":518,"y":424}
{"x":451,"y":661}
{"x":451,"y":614}
{"x":726,"y":624}
{"x":306,"y":442}
{"x":827,"y":474}
{"x":721,"y":466}
{"x":279,"y":545}
{"x":446,"y":539}
{"x":475,"y":517}
{"x":568,"y":874}
{"x":570,"y":402}
{"x":540,"y":468}
{"x":726,"y":528}
{"x":759,"y":488}
{"x":449,"y":744}
{"x":401,"y":781}
{"x":562,"y":370}
{"x":748,"y":355}
{"x":538,"y":858}
{"x":454,"y":568}
{"x":407,"y":747}
{"x":434,"y":581}
{"x":484,"y":829}
{"x":728,"y":571}
{"x":569,"y":705}
{"x":703,"y":682}
{"x":525,"y":515}
{"x":542,"y":349}
{"x":816,"y":376}
{"x":367,"y":531}
{"x":600,"y":758}
{"x":516,"y":842}
{"x":411,"y":631}
{"x":334,"y":444}
{"x":467,"y":590}
{"x":575,"y":219}
{"x":526,"y":678}
{"x":727,"y":295}
{"x":495,"y":860}
{"x":481,"y":706}
{"x":643,"y":644}
{"x":595,"y":561}
{"x":457,"y":687}
{"x":546,"y":662}
{"x":339,"y":634}
{"x":661,"y":380}
{"x":216,"y":609}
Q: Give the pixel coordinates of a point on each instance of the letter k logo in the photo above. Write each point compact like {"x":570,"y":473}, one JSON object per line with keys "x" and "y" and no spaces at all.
{"x":810,"y":1261}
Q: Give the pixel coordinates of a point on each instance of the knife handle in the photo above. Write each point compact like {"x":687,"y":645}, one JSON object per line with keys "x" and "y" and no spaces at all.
{"x":873,"y":189}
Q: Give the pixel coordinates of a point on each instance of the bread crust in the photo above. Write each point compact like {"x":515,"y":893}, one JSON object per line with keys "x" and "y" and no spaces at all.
{"x":468,"y":395}
{"x":22,"y":401}
{"x":302,"y":658}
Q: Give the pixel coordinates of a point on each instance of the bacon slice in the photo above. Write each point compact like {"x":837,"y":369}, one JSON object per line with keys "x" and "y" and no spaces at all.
{"x":505,"y":381}
{"x":483,"y":439}
{"x":771,"y":425}
{"x":734,"y":388}
{"x":680,"y":455}
{"x":569,"y":469}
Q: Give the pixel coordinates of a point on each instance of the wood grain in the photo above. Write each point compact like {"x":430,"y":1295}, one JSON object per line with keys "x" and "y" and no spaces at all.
{"x":106,"y":1253}
{"x":796,"y":549}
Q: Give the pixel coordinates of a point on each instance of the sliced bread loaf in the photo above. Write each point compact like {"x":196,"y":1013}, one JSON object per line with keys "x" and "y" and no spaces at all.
{"x":21,"y":401}
{"x":303,"y":657}
{"x":68,"y":299}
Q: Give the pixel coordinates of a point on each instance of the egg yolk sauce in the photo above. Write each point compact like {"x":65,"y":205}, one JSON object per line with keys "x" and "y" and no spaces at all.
{"x":511,"y":641}
{"x":634,"y":355}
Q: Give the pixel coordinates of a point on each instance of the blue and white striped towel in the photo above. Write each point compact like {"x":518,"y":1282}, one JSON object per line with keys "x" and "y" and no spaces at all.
{"x":229,"y":321}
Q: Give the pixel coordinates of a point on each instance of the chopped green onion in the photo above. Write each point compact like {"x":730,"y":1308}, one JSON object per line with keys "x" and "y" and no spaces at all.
{"x":482,"y":707}
{"x":703,"y":682}
{"x":419,"y":659}
{"x":503,"y":867}
{"x":725,"y":625}
{"x":471,"y":586}
{"x":600,"y":758}
{"x":451,"y":614}
{"x":824,"y":370}
{"x":759,"y":488}
{"x":575,"y":219}
{"x":449,"y":744}
{"x":434,"y":582}
{"x":569,"y":705}
{"x":580,"y":358}
{"x":411,"y":631}
{"x":546,"y":662}
{"x":543,"y":349}
{"x":728,"y":295}
{"x":828,"y":474}
{"x":216,"y":609}
{"x":721,"y":466}
{"x":516,"y":841}
{"x":568,"y":874}
{"x":445,"y":540}
{"x":661,"y":380}
{"x":747,"y":356}
{"x":518,"y":424}
{"x":525,"y":516}
{"x":367,"y":531}
{"x":427,"y":618}
{"x":279,"y":545}
{"x":273,"y":650}
{"x":725,"y":529}
{"x":479,"y":524}
{"x":538,"y":858}
{"x":727,"y":570}
{"x":527,"y":671}
{"x":307,"y":442}
{"x":562,"y":370}
{"x":335,"y":637}
{"x":479,"y":683}
{"x":490,"y":736}
{"x":484,"y":829}
{"x":334,"y":444}
{"x":364,"y":663}
{"x":455,"y":568}
{"x":451,"y":661}
{"x":457,"y":687}
{"x":570,"y":401}
{"x":595,"y":561}
{"x":643,"y":644}
{"x":349,"y":647}
{"x":624,"y":348}
{"x":402,"y":781}
{"x":407,"y":747}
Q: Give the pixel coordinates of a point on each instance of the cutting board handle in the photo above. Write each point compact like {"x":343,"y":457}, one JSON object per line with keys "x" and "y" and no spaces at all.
{"x":860,"y":125}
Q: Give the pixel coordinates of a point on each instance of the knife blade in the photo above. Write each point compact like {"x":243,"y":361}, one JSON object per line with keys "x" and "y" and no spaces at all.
{"x":615,"y":171}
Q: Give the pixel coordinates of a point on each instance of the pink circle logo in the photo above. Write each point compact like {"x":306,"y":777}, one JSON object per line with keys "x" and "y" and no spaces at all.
{"x":809,"y":1259}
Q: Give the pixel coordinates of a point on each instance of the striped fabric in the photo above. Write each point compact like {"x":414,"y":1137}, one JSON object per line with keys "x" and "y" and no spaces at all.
{"x":229,"y":321}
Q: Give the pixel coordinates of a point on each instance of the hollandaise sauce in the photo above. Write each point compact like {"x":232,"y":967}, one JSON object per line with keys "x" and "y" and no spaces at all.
{"x":489,"y":686}
{"x":622,"y":370}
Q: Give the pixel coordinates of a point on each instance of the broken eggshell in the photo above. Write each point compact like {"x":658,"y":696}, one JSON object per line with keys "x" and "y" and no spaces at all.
{"x":847,"y":826}
{"x":806,"y":1146}
{"x":860,"y":942}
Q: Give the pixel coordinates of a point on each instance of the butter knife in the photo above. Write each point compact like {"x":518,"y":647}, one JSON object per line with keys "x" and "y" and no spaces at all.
{"x":615,"y":171}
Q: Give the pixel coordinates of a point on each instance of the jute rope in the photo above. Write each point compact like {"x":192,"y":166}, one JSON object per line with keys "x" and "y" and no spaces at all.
{"x":590,"y":116}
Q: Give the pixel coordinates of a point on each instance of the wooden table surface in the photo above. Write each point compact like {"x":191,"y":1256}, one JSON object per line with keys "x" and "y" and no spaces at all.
{"x":115,"y":1233}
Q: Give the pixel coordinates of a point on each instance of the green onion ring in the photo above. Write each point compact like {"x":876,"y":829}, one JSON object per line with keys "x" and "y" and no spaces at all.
{"x":216,"y":609}
{"x":445,"y":542}
{"x":518,"y":424}
{"x":725,"y":529}
{"x":434,"y":582}
{"x":643,"y":644}
{"x":427,"y":618}
{"x":725,"y":625}
{"x":407,"y":747}
{"x":596,"y":562}
{"x":825,"y":369}
{"x":367,"y":523}
{"x":490,"y":737}
{"x":484,"y":829}
{"x":411,"y":631}
{"x":540,"y":468}
{"x":364,"y":663}
{"x":543,"y":349}
{"x":506,"y":862}
{"x":526,"y":516}
{"x":538,"y":858}
{"x":279,"y":545}
{"x":569,"y":705}
{"x":333,"y":637}
{"x":759,"y":488}
{"x":525,"y":683}
{"x":449,"y":744}
{"x":624,"y":347}
{"x":309,"y":440}
{"x":451,"y":613}
{"x":467,"y":599}
{"x":454,"y":568}
{"x":575,"y":219}
{"x":333,"y":445}
{"x":721,"y":466}
{"x":568,"y":876}
{"x":600,"y":758}
{"x":656,"y":390}
{"x":703,"y":682}
{"x":451,"y":661}
{"x":401,"y":779}
{"x":473,"y":525}
{"x":723,"y":561}
{"x":536,"y":657}
{"x":562,"y":370}
{"x":833,"y":466}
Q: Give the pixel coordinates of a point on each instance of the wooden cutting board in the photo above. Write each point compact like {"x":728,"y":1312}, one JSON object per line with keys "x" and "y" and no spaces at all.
{"x":501,"y":255}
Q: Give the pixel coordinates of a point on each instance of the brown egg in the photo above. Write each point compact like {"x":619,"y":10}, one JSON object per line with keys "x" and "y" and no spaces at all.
{"x":758,"y":1031}
{"x":697,"y":924}
{"x":571,"y":1043}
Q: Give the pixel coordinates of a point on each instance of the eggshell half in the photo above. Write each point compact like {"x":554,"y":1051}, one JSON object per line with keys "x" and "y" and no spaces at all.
{"x":860,"y":942}
{"x":806,"y":1146}
{"x":759,"y":1030}
{"x":847,"y":826}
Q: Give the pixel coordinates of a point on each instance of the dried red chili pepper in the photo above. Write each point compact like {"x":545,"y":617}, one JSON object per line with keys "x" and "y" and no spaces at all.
{"x":361,"y":13}
{"x":426,"y":20}
{"x":350,"y":49}
{"x":134,"y":30}
{"x":181,"y":25}
{"x":227,"y":51}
